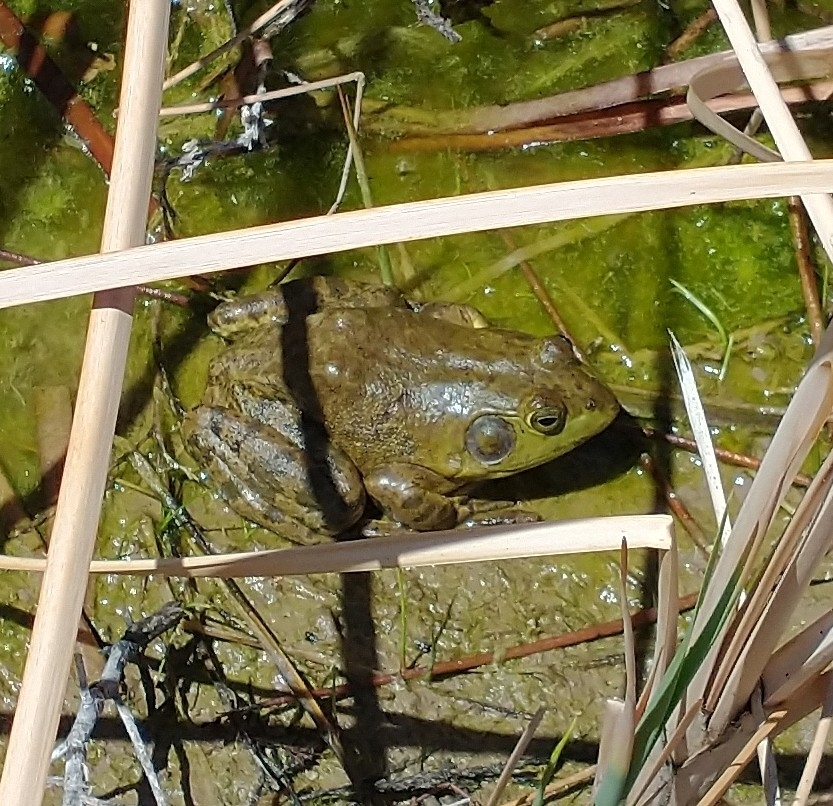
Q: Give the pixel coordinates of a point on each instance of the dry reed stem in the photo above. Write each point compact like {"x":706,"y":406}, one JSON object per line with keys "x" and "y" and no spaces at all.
{"x":620,"y":717}
{"x":76,"y":522}
{"x":668,"y":610}
{"x":649,"y":775}
{"x":753,"y":520}
{"x":798,"y":660}
{"x":766,"y":613}
{"x":500,"y":117}
{"x":760,"y":16}
{"x":560,"y":786}
{"x":766,"y":756}
{"x":53,"y":413}
{"x":780,"y":588}
{"x":699,"y":425}
{"x":262,"y":97}
{"x":802,"y":245}
{"x":741,"y":760}
{"x":738,"y":744}
{"x":515,"y":756}
{"x":767,"y":767}
{"x":399,"y":551}
{"x":728,"y":76}
{"x":796,"y":434}
{"x":764,"y":617}
{"x":412,"y":221}
{"x":665,"y":643}
{"x":635,"y":116}
{"x":811,"y":766}
{"x":614,"y":714}
{"x":743,"y":660}
{"x":692,"y":32}
{"x":261,"y":22}
{"x":776,"y":113}
{"x":654,"y":675}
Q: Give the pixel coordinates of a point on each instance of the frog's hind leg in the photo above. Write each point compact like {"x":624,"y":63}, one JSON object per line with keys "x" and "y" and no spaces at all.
{"x":298,"y":299}
{"x":266,"y":478}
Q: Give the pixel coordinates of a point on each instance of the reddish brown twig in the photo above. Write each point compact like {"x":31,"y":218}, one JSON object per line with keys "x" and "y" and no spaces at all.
{"x":166,"y":296}
{"x":531,"y":277}
{"x":806,"y":272}
{"x":675,"y":504}
{"x":17,"y":258}
{"x":624,"y":118}
{"x":690,"y":34}
{"x":594,"y":632}
{"x":729,"y":457}
{"x":36,"y":63}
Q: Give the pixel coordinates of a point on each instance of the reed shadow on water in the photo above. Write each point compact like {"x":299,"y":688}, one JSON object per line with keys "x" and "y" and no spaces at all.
{"x":364,"y":747}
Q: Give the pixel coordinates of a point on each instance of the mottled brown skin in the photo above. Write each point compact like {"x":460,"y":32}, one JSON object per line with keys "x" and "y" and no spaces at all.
{"x":331,"y":388}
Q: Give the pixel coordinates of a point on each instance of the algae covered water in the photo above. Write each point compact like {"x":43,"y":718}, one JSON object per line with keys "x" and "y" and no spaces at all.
{"x":610,"y":278}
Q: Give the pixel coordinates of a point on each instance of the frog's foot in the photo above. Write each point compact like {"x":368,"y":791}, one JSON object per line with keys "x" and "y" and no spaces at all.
{"x":300,"y":299}
{"x":467,"y":519}
{"x":483,"y":511}
{"x":495,"y":517}
{"x":381,"y":527}
{"x":408,"y":495}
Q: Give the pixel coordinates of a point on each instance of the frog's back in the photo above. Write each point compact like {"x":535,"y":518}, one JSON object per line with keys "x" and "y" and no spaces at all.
{"x":395,"y":383}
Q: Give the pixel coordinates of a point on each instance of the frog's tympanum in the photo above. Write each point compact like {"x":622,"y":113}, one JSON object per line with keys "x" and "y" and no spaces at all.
{"x":330,"y":390}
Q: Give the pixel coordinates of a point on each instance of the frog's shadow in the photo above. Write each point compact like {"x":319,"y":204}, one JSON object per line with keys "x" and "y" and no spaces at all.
{"x":601,"y":459}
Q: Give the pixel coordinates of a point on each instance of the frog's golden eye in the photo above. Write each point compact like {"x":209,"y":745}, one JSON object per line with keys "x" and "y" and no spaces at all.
{"x":490,"y":439}
{"x":549,"y":420}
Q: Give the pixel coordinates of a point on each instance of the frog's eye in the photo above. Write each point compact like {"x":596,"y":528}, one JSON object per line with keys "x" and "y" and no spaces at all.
{"x":549,"y":420}
{"x":490,"y":439}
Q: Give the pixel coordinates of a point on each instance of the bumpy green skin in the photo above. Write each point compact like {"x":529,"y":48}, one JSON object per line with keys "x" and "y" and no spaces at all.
{"x":330,"y":389}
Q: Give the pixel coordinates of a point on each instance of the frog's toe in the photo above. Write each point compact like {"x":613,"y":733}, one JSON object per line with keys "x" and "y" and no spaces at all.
{"x":380,"y":527}
{"x":499,"y":517}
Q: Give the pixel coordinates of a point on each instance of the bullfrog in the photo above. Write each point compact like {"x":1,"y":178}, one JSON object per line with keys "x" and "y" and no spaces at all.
{"x":328,"y":391}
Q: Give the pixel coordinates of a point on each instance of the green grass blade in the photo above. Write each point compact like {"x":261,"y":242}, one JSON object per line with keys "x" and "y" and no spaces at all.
{"x":552,"y":764}
{"x":687,"y":661}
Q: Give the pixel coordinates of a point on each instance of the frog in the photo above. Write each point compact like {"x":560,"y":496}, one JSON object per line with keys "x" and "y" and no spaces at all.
{"x":328,"y":394}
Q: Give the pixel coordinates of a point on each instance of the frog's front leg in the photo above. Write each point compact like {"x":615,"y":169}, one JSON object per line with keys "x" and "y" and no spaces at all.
{"x":422,"y":500}
{"x":413,"y":496}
